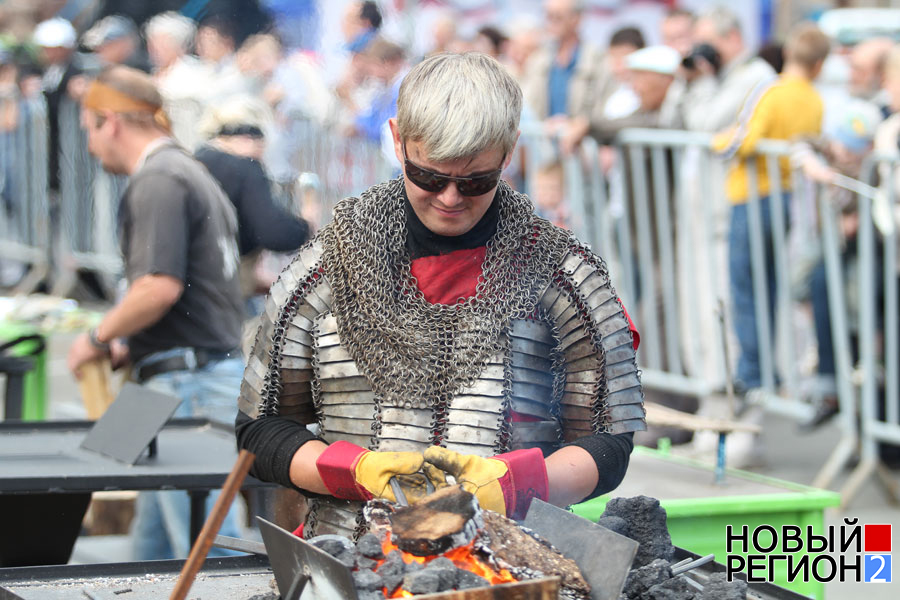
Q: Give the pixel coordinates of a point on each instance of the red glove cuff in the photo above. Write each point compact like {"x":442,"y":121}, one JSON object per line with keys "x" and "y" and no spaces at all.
{"x":526,"y":478}
{"x":337,"y":468}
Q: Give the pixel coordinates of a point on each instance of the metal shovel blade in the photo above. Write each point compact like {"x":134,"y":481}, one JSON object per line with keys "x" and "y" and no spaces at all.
{"x":291,"y":557}
{"x":603,"y":555}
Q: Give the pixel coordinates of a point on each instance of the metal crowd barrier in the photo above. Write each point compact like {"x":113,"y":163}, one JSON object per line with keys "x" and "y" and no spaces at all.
{"x":316,"y":164}
{"x":24,"y":201}
{"x":87,"y":239}
{"x":876,"y":353}
{"x":659,"y":218}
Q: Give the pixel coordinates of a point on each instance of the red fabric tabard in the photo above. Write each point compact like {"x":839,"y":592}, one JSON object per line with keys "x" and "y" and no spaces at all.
{"x":445,"y":278}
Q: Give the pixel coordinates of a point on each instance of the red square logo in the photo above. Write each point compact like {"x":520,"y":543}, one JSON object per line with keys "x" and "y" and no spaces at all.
{"x":878,"y":538}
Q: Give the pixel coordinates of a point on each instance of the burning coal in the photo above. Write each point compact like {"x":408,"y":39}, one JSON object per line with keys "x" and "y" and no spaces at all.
{"x":446,"y":542}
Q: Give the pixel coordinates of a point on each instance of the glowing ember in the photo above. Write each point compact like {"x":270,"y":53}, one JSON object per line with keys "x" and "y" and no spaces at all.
{"x":463,"y":557}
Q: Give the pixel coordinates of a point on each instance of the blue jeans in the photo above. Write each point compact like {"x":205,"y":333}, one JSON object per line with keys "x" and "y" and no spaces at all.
{"x":162,"y":519}
{"x":740,"y":275}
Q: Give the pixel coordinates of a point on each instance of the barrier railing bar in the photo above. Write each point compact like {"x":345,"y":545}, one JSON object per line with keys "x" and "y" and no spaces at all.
{"x":666,"y":258}
{"x":890,"y":313}
{"x":618,"y":185}
{"x":648,"y":300}
{"x":782,"y":316}
{"x":837,"y":312}
{"x":760,"y":286}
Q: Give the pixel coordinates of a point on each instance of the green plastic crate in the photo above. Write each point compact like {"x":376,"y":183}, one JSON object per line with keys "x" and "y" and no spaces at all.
{"x":698,"y":511}
{"x":34,"y":393}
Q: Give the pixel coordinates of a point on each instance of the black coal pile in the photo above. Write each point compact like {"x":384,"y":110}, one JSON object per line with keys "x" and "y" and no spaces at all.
{"x":374,"y":573}
{"x":643,"y":519}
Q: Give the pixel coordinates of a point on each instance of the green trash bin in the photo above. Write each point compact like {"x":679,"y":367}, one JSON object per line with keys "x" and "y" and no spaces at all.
{"x":699,"y":511}
{"x":34,"y":397}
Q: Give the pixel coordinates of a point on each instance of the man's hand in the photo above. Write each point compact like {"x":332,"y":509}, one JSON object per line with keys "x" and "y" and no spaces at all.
{"x":574,"y":131}
{"x":119,"y":355}
{"x":354,"y":473}
{"x":505,"y":483}
{"x":81,"y":352}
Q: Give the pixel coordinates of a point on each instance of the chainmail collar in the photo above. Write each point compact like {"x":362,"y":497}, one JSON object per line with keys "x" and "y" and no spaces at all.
{"x":413,"y":353}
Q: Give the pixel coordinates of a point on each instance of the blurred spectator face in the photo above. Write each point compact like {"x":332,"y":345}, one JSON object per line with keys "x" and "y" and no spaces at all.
{"x":352,"y":24}
{"x":615,"y":59}
{"x":55,"y":55}
{"x":212,"y":46}
{"x":562,"y":19}
{"x":444,"y":32}
{"x":163,"y":50}
{"x":678,"y":32}
{"x":729,"y":45}
{"x":116,"y":52}
{"x":260,"y":56}
{"x":548,"y":187}
{"x":521,"y":45}
{"x":866,"y":62}
{"x":650,"y":87}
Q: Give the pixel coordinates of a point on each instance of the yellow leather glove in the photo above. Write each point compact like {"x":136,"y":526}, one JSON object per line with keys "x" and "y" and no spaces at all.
{"x":351,"y":472}
{"x":505,"y":483}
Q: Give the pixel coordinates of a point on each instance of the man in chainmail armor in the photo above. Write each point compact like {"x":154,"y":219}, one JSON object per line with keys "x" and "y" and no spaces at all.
{"x":438,"y":327}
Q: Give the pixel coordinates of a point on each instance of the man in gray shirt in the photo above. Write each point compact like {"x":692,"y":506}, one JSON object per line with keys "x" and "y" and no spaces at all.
{"x":181,"y":314}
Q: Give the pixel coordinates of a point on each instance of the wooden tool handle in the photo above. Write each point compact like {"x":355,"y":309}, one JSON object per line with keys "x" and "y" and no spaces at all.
{"x":94,"y":387}
{"x":212,"y":525}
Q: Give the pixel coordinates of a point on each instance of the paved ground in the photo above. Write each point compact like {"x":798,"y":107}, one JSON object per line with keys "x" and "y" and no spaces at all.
{"x":788,"y":455}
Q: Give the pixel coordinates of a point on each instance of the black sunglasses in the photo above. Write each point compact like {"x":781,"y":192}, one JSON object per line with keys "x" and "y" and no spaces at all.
{"x":474,"y":185}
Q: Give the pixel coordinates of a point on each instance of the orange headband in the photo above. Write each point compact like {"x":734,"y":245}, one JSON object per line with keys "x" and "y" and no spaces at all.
{"x":100,"y":96}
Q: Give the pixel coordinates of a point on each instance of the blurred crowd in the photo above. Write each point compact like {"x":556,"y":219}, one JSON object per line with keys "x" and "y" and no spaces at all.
{"x":232,"y":73}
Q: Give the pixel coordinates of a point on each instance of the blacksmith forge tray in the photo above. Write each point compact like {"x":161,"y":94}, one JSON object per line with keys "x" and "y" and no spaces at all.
{"x":233,"y":577}
{"x":47,"y":479}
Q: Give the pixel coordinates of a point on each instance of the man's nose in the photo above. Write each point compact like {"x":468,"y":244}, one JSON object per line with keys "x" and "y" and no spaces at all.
{"x":450,"y":196}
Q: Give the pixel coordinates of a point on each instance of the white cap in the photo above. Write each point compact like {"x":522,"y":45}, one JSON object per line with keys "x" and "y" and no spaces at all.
{"x":656,"y":59}
{"x":55,"y":33}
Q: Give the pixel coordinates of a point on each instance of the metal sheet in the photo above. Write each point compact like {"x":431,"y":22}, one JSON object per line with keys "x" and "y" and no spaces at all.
{"x":343,"y":384}
{"x":291,"y":348}
{"x":532,"y":347}
{"x":540,"y":431}
{"x":603,"y":556}
{"x":338,"y":370}
{"x":292,"y":362}
{"x":291,"y":556}
{"x":355,"y":426}
{"x":130,"y":423}
{"x":333,"y":354}
{"x":531,"y":330}
{"x":417,"y":417}
{"x":357,"y":397}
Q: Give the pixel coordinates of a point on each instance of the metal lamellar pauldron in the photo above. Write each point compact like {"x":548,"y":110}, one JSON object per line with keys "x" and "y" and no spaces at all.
{"x":278,"y":378}
{"x":602,"y":390}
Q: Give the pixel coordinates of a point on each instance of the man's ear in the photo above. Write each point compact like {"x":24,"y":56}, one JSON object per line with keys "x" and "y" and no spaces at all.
{"x":398,"y":144}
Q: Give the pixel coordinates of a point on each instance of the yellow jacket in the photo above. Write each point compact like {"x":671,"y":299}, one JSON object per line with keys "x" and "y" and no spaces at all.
{"x":787,"y":108}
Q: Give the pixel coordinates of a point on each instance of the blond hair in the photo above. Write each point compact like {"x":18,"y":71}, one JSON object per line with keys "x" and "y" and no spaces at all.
{"x":237,"y":111}
{"x":806,"y":45}
{"x":459,"y":105}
